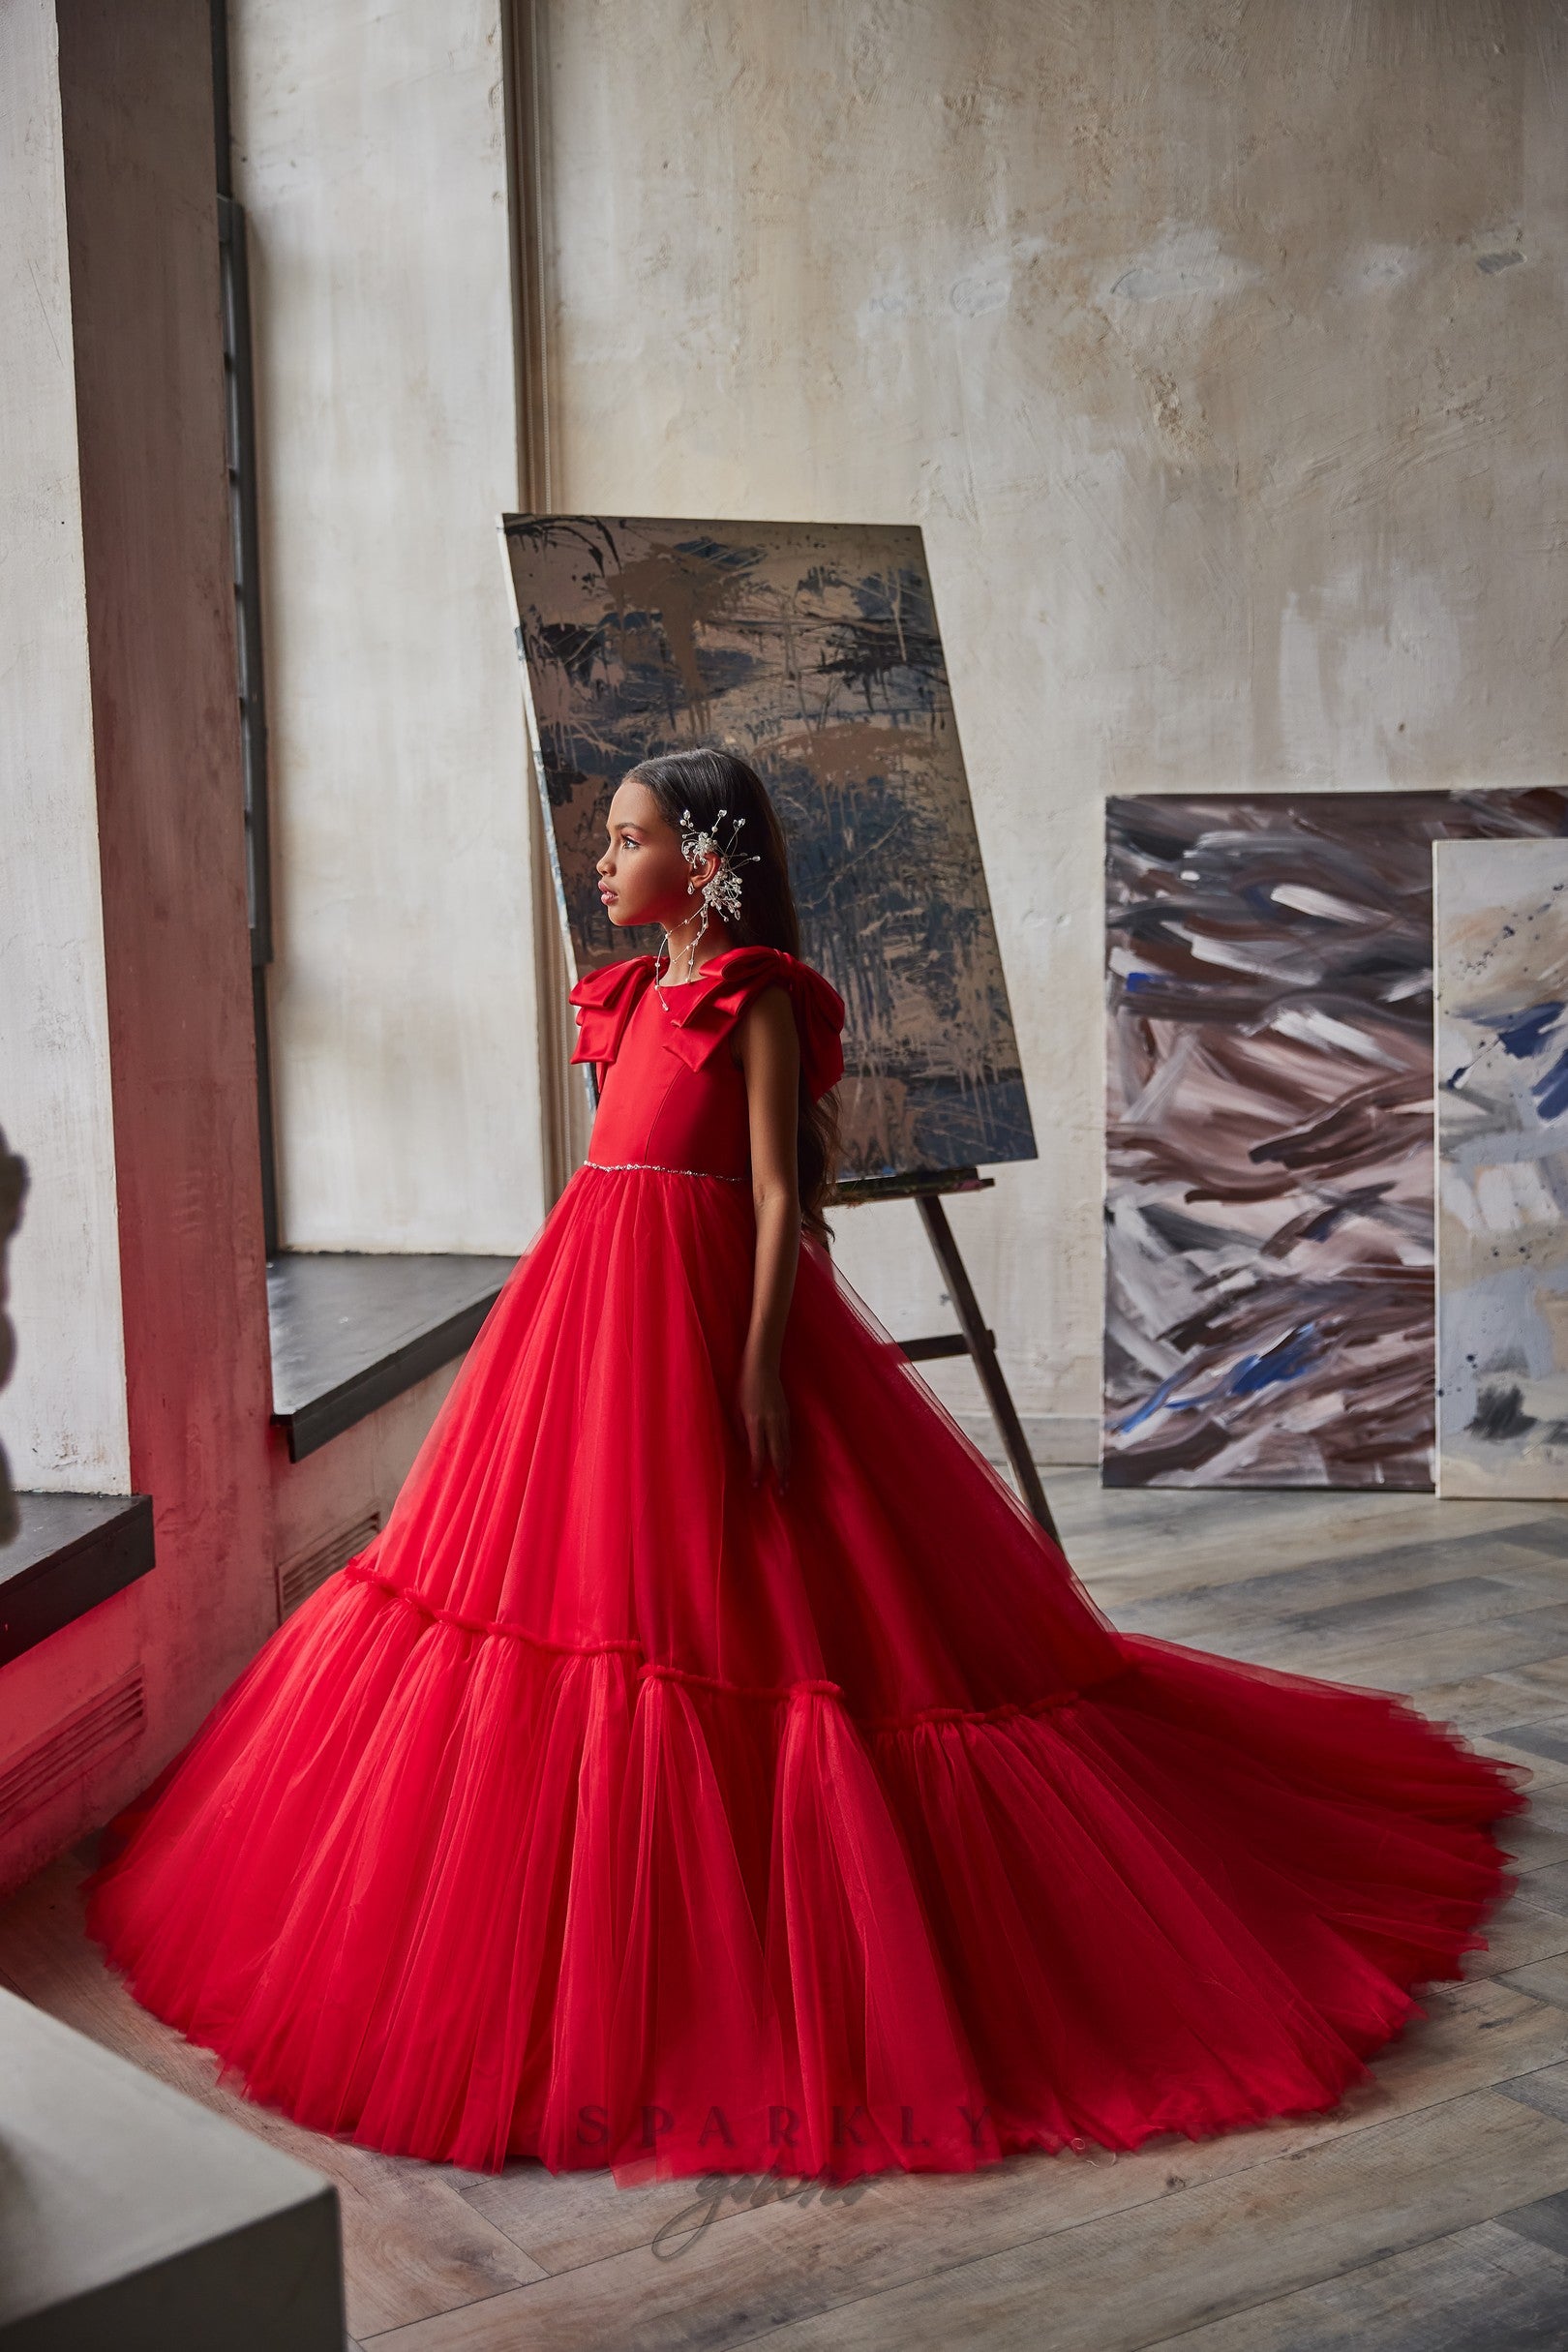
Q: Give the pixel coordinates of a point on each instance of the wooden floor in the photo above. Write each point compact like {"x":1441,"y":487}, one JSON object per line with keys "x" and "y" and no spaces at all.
{"x":1429,"y":2214}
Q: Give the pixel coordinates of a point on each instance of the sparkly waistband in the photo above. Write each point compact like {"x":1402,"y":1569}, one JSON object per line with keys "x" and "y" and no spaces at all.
{"x":666,"y":1170}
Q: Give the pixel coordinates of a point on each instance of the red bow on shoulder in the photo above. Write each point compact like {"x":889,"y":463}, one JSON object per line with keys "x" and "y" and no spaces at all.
{"x":604,"y":998}
{"x":703,"y":1013}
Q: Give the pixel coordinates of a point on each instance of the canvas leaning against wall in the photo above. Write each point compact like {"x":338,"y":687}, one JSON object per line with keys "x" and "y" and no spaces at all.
{"x":1270,"y":1295}
{"x":1502,"y":1134}
{"x":813,"y":651}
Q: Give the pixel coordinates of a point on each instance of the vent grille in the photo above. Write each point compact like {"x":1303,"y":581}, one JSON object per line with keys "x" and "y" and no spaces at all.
{"x":69,"y":1752}
{"x":298,"y":1578}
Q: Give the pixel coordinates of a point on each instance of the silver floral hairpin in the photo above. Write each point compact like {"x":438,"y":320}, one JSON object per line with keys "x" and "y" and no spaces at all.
{"x":721,"y":889}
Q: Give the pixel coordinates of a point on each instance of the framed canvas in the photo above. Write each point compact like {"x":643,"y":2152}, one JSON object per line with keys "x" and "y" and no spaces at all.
{"x":813,"y":651}
{"x":1270,"y":1264}
{"x":1502,"y":1151}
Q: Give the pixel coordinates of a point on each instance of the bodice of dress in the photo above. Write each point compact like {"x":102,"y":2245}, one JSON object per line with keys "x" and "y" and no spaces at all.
{"x":672,"y":1094}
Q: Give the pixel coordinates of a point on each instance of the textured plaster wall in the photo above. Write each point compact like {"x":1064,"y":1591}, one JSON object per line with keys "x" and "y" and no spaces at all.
{"x":65,"y":1411}
{"x":119,"y":105}
{"x":1219,"y":351}
{"x":370,"y":155}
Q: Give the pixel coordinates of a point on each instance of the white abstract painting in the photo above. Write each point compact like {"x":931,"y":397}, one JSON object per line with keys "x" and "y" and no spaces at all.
{"x":1502,"y":1140}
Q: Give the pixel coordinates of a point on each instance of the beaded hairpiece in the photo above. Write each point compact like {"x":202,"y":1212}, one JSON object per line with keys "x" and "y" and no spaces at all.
{"x":723,"y":891}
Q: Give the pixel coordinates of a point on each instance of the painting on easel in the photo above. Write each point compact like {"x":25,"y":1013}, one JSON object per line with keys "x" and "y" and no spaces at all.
{"x":812,"y":650}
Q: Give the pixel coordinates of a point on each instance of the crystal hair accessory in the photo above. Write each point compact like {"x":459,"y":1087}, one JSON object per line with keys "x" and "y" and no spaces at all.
{"x":721,"y":889}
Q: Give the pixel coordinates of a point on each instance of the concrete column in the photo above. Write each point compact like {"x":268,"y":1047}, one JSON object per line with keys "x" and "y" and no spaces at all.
{"x":135,"y":666}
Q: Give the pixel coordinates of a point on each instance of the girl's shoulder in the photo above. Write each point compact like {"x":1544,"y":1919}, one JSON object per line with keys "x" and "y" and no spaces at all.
{"x":704,"y":1010}
{"x":708,"y":1007}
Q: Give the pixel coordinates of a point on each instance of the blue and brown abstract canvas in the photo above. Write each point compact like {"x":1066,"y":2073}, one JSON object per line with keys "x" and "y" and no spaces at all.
{"x":1502,"y":1143}
{"x":1270,"y":1300}
{"x":811,"y":650}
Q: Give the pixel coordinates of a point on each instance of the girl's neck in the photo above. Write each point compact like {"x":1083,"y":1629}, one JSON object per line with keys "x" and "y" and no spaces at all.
{"x":674,"y":951}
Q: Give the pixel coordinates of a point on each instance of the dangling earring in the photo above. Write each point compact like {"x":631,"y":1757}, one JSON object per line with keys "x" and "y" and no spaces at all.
{"x":722,"y":888}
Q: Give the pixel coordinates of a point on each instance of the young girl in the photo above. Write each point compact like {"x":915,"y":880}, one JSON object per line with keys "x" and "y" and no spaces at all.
{"x":711,"y":1765}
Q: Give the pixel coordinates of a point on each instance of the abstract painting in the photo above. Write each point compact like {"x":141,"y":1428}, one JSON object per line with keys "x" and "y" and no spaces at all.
{"x":813,"y":651}
{"x":1270,"y":1271}
{"x":1503,"y":1147}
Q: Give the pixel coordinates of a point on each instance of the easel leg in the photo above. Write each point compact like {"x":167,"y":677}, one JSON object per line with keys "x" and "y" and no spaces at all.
{"x":998,"y":1396}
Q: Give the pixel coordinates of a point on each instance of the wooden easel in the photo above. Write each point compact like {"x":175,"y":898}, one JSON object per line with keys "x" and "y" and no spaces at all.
{"x":971,"y":1337}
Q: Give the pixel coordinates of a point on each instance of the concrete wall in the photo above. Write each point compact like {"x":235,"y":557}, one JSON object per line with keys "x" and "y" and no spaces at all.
{"x":140,"y":178}
{"x":65,"y":1413}
{"x":147,"y":702}
{"x":127,"y":1069}
{"x":1220,"y":353}
{"x":370,"y":155}
{"x":359,"y":1472}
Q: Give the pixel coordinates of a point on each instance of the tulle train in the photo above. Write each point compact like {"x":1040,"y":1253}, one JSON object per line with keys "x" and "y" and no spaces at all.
{"x":612,"y":1811}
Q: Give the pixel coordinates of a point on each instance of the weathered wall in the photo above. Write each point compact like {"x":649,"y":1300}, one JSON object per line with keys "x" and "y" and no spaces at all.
{"x":162,"y":824}
{"x":370,"y":155}
{"x":359,"y":1472}
{"x":1217,"y":349}
{"x":65,"y":1414}
{"x":138,"y":108}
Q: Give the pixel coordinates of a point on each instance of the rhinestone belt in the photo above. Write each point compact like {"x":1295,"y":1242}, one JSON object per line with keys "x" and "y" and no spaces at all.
{"x":666,"y":1170}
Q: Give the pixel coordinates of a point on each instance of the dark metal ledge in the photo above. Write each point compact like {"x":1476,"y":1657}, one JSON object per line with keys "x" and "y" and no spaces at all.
{"x":73,"y":1552}
{"x":350,"y":1331}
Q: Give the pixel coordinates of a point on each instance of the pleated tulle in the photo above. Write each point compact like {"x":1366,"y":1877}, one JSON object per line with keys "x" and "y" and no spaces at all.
{"x":610,"y":1810}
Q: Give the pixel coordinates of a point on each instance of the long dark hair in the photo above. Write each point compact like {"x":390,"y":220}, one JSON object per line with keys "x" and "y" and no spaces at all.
{"x":704,"y":781}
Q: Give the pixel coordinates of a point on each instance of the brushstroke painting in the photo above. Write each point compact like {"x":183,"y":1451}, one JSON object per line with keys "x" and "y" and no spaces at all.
{"x":1502,"y":1146}
{"x":813,"y":651}
{"x":1270,"y":1270}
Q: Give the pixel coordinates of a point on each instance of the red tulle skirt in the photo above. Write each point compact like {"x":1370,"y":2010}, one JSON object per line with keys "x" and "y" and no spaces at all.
{"x":613,"y":1810}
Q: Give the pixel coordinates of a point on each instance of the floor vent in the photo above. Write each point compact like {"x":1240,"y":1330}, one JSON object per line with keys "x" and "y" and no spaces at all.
{"x":298,"y":1578}
{"x":70,"y":1751}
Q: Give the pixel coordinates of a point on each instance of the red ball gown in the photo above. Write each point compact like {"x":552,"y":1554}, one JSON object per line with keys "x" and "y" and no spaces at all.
{"x":612,"y":1810}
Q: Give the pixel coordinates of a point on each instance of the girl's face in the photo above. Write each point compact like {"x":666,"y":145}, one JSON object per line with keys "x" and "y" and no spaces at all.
{"x":642,"y":875}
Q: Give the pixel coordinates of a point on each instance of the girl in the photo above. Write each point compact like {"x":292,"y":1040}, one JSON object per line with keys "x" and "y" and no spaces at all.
{"x":711,"y":1765}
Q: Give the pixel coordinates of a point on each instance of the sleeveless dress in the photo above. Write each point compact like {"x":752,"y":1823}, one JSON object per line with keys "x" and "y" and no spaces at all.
{"x":614,"y":1810}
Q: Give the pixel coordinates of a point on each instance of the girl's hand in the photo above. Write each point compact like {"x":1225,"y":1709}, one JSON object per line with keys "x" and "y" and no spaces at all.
{"x":765,"y":1418}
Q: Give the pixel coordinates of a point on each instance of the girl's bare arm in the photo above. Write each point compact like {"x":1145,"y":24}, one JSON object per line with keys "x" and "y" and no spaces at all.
{"x":769,"y":1051}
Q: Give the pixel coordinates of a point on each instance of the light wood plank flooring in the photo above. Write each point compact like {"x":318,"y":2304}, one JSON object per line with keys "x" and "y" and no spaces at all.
{"x":1429,"y":2214}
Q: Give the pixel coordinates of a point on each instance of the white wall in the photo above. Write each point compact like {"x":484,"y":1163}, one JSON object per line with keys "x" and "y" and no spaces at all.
{"x":370,"y":155}
{"x":65,"y":1411}
{"x":1220,"y":353}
